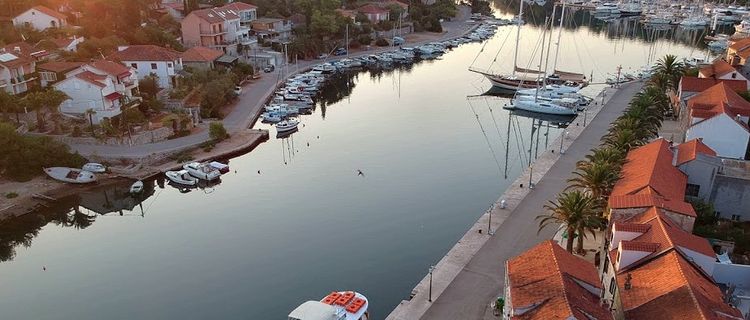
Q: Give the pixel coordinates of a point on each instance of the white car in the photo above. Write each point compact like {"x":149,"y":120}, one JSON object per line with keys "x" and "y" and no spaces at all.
{"x":237,"y":90}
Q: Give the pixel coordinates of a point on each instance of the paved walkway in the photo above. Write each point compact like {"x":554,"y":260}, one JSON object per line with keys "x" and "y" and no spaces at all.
{"x":252,"y":100}
{"x":471,"y":275}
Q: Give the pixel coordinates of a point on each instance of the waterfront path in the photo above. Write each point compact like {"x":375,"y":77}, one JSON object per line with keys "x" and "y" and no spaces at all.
{"x":254,"y":96}
{"x":471,"y":275}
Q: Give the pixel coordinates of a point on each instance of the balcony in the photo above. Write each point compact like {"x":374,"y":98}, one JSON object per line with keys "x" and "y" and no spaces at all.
{"x":212,"y":33}
{"x":17,"y":81}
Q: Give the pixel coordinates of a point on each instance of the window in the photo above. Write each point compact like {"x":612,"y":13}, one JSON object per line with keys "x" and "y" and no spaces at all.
{"x":692,"y":190}
{"x":134,"y":65}
{"x":48,"y":76}
{"x":153,"y":66}
{"x":612,"y":286}
{"x":734,"y":75}
{"x":735,"y":217}
{"x":606,"y":263}
{"x":169,"y":64}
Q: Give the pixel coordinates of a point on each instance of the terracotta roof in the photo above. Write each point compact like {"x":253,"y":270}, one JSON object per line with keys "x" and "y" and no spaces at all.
{"x":23,"y":55}
{"x":372,"y":9}
{"x":59,"y":66}
{"x":740,"y":44}
{"x":650,"y":200}
{"x":688,"y":151}
{"x":201,"y":54}
{"x":716,"y":69}
{"x":110,"y":67}
{"x":145,"y":52}
{"x":666,"y":234}
{"x":669,"y":287}
{"x":650,"y":166}
{"x":92,"y":78}
{"x":62,"y":42}
{"x":716,"y":100}
{"x":347,"y":13}
{"x":49,"y":12}
{"x":695,"y":84}
{"x":546,"y":278}
{"x":639,"y":246}
{"x":216,"y":15}
{"x":239,"y":6}
{"x":631,"y":227}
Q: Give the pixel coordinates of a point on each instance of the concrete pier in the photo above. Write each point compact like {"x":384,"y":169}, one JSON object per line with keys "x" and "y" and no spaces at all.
{"x":471,"y":275}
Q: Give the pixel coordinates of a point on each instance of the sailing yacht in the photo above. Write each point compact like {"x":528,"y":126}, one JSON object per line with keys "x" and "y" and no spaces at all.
{"x":521,"y":78}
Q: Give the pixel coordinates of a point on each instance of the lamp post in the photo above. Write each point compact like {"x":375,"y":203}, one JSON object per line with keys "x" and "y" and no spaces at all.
{"x":562,"y":139}
{"x":531,"y":173}
{"x":432,"y":268}
{"x":489,"y":222}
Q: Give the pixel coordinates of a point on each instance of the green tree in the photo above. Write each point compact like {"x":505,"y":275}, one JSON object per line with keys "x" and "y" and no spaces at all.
{"x":671,"y":68}
{"x":10,"y":104}
{"x":578,"y":211}
{"x":90,"y":115}
{"x":43,"y":101}
{"x":217,"y":132}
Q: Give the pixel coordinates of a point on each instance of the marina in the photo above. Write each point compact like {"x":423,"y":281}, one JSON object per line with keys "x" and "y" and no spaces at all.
{"x":398,"y":155}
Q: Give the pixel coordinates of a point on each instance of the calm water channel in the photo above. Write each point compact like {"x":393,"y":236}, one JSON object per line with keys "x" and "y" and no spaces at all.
{"x":257,"y":245}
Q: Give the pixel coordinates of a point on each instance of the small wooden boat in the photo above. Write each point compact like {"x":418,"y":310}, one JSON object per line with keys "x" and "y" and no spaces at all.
{"x":94,"y":167}
{"x":181,"y":177}
{"x":137,"y":187}
{"x":70,"y":175}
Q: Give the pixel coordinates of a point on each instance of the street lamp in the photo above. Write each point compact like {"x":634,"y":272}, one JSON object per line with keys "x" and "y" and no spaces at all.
{"x":432,"y":268}
{"x":489,"y":222}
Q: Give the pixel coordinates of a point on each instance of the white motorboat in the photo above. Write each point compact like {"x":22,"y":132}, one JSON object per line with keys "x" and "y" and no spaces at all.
{"x":743,"y":27}
{"x":287,"y":125}
{"x":223,"y":168}
{"x":94,"y":167}
{"x":606,"y":8}
{"x":136,"y":187}
{"x":630,"y":9}
{"x":343,"y":305}
{"x":272,"y":117}
{"x":181,"y":177}
{"x":694,"y":22}
{"x":202,"y":171}
{"x":70,"y":175}
{"x":541,"y":107}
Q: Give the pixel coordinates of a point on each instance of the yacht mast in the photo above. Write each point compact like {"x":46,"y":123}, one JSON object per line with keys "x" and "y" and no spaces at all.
{"x":518,"y":35}
{"x":559,"y":34}
{"x":541,"y":55}
{"x":549,"y":44}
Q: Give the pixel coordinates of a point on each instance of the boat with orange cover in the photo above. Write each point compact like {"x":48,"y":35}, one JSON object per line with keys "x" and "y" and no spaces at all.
{"x":337,"y":305}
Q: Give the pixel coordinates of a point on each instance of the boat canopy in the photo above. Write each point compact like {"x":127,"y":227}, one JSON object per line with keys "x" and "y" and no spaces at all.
{"x":314,"y":310}
{"x":532,"y":71}
{"x":570,"y":76}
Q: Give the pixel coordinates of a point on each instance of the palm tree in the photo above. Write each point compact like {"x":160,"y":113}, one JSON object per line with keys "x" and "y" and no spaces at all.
{"x":671,"y":68}
{"x":606,"y":155}
{"x":624,"y":139}
{"x":578,"y":211}
{"x":41,"y":101}
{"x":90,"y":114}
{"x":597,"y":178}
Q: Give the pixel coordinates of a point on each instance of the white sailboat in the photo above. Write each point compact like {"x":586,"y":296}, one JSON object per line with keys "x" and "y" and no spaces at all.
{"x":521,"y":78}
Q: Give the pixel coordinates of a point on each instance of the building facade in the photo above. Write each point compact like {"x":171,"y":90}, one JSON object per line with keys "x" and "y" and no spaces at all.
{"x":162,"y":62}
{"x":40,"y":18}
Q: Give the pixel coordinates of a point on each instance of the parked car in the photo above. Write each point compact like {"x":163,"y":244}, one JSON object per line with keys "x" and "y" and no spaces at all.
{"x":237,"y":90}
{"x":268,"y":68}
{"x":322,"y":56}
{"x":397,"y":41}
{"x":339,"y":52}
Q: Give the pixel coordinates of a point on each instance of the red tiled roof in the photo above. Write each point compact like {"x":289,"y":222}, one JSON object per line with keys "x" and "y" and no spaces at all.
{"x":201,"y":54}
{"x":650,"y":166}
{"x":113,"y":96}
{"x":145,"y":52}
{"x":716,"y":69}
{"x":546,"y":279}
{"x":740,"y":44}
{"x":372,"y":9}
{"x":639,"y":246}
{"x":92,"y":78}
{"x":239,"y":6}
{"x":667,"y":234}
{"x":49,"y":12}
{"x":216,"y":15}
{"x":24,"y":54}
{"x":59,"y":66}
{"x":650,"y":200}
{"x":695,"y":84}
{"x":631,"y":227}
{"x":111,"y":67}
{"x":669,"y":287}
{"x":716,"y":100}
{"x":688,"y":151}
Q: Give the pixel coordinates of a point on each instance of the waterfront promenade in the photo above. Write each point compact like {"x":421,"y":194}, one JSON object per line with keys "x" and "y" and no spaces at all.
{"x":250,"y":103}
{"x":471,"y":275}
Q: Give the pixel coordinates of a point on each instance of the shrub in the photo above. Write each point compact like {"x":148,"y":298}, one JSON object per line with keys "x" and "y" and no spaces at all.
{"x":181,"y":157}
{"x":381,"y":42}
{"x":11,"y":195}
{"x":217,"y":132}
{"x":365,"y":39}
{"x":23,"y":157}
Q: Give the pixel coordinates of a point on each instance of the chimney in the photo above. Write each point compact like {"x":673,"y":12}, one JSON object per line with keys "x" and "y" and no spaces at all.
{"x":738,"y":117}
{"x":628,"y":285}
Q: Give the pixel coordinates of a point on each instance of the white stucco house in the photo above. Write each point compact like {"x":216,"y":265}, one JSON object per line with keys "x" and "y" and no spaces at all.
{"x":719,"y":116}
{"x":105,"y":87}
{"x":722,"y":70}
{"x":163,"y":62}
{"x":40,"y":18}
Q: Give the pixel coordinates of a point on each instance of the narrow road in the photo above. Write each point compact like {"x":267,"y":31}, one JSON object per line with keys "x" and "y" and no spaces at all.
{"x":252,"y":99}
{"x":482,"y":280}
